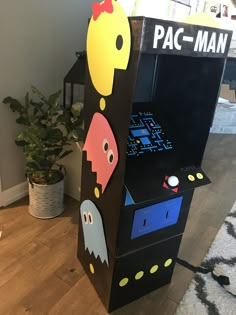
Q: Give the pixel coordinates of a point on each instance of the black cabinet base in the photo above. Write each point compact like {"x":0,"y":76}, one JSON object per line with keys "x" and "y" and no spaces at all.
{"x":131,"y":276}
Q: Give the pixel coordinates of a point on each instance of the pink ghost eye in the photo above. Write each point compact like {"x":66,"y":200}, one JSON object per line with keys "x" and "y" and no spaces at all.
{"x":90,"y":217}
{"x":110,"y":156}
{"x":85,"y":217}
{"x":105,"y":145}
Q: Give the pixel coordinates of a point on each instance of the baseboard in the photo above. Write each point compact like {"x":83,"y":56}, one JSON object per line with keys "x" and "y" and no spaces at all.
{"x":13,"y":194}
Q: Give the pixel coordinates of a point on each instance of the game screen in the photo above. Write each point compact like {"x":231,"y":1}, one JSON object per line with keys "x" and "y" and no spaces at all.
{"x":146,"y":135}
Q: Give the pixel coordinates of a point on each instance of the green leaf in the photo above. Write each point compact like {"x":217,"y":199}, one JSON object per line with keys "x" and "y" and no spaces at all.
{"x":32,"y":165}
{"x":15,"y":105}
{"x":80,"y":133}
{"x":27,"y":101}
{"x":54,"y":135}
{"x":21,"y":143}
{"x":35,"y":111}
{"x":36,"y":104}
{"x":38,"y":93}
{"x":77,"y":113}
{"x":43,"y":163}
{"x":67,"y":116}
{"x":22,"y":121}
{"x":53,"y":99}
{"x":55,"y":177}
{"x":60,"y":119}
{"x":78,"y":122}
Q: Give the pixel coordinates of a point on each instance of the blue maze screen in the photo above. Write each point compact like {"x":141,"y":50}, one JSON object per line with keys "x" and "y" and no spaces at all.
{"x":146,"y":135}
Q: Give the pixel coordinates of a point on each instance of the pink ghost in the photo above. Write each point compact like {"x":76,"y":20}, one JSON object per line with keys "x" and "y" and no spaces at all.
{"x":101,"y":148}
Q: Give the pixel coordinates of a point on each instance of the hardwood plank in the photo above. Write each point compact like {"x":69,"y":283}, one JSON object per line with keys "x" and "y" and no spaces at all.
{"x":81,"y":299}
{"x":41,"y":298}
{"x":34,"y":269}
{"x":71,"y":271}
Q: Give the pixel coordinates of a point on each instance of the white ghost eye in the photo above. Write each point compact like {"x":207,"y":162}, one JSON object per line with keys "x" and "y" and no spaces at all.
{"x":105,"y":145}
{"x":110,"y":156}
{"x":85,"y":217}
{"x":90,"y":218}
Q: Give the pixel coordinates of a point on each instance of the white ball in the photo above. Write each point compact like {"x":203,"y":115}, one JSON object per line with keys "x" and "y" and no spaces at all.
{"x":173,"y":181}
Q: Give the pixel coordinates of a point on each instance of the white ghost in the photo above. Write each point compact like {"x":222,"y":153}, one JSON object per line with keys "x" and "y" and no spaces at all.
{"x":94,"y":238}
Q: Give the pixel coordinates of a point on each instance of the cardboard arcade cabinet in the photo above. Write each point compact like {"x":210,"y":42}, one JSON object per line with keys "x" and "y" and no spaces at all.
{"x":151,"y":92}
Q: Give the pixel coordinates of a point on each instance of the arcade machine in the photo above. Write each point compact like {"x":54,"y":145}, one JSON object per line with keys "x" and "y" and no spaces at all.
{"x":151,"y":91}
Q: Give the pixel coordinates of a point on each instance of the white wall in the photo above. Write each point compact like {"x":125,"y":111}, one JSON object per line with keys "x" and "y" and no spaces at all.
{"x":38,"y":40}
{"x":153,"y":8}
{"x":157,"y":8}
{"x":128,"y":6}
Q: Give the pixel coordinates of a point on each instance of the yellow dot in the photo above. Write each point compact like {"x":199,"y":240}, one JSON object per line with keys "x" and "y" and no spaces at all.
{"x":96,"y":192}
{"x":137,"y":141}
{"x":154,"y":269}
{"x":168,"y":262}
{"x":139,"y":275}
{"x":91,"y":268}
{"x":123,"y":282}
{"x":191,"y":178}
{"x":199,"y":175}
{"x":102,"y":103}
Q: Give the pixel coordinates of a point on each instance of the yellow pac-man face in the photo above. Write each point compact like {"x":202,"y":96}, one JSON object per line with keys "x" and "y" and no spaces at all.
{"x":108,"y":45}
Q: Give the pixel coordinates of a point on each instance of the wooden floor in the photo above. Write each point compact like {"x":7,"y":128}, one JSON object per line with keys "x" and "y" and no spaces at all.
{"x":39,"y":271}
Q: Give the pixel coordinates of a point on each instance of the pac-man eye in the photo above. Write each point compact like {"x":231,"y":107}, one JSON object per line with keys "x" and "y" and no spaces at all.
{"x":110,"y":156}
{"x":90,"y":218}
{"x":105,"y":145}
{"x":85,"y":216}
{"x":119,"y":42}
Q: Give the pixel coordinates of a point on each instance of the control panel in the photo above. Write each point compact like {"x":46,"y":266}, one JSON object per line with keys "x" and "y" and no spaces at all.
{"x":141,"y":188}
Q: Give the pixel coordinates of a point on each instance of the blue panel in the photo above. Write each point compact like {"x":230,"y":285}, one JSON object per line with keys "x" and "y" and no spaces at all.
{"x":156,"y":217}
{"x":128,"y":199}
{"x":145,"y":140}
{"x":140,"y":132}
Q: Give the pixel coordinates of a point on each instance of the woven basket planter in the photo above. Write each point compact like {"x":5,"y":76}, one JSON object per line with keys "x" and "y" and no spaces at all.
{"x":46,"y":201}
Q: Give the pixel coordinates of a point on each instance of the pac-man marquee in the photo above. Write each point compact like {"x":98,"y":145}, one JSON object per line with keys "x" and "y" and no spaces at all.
{"x":151,"y":92}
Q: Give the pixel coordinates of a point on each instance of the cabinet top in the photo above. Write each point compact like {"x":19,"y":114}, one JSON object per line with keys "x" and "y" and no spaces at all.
{"x":155,"y":36}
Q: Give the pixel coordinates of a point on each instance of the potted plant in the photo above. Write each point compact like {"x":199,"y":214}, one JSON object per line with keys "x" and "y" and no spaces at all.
{"x":46,"y":137}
